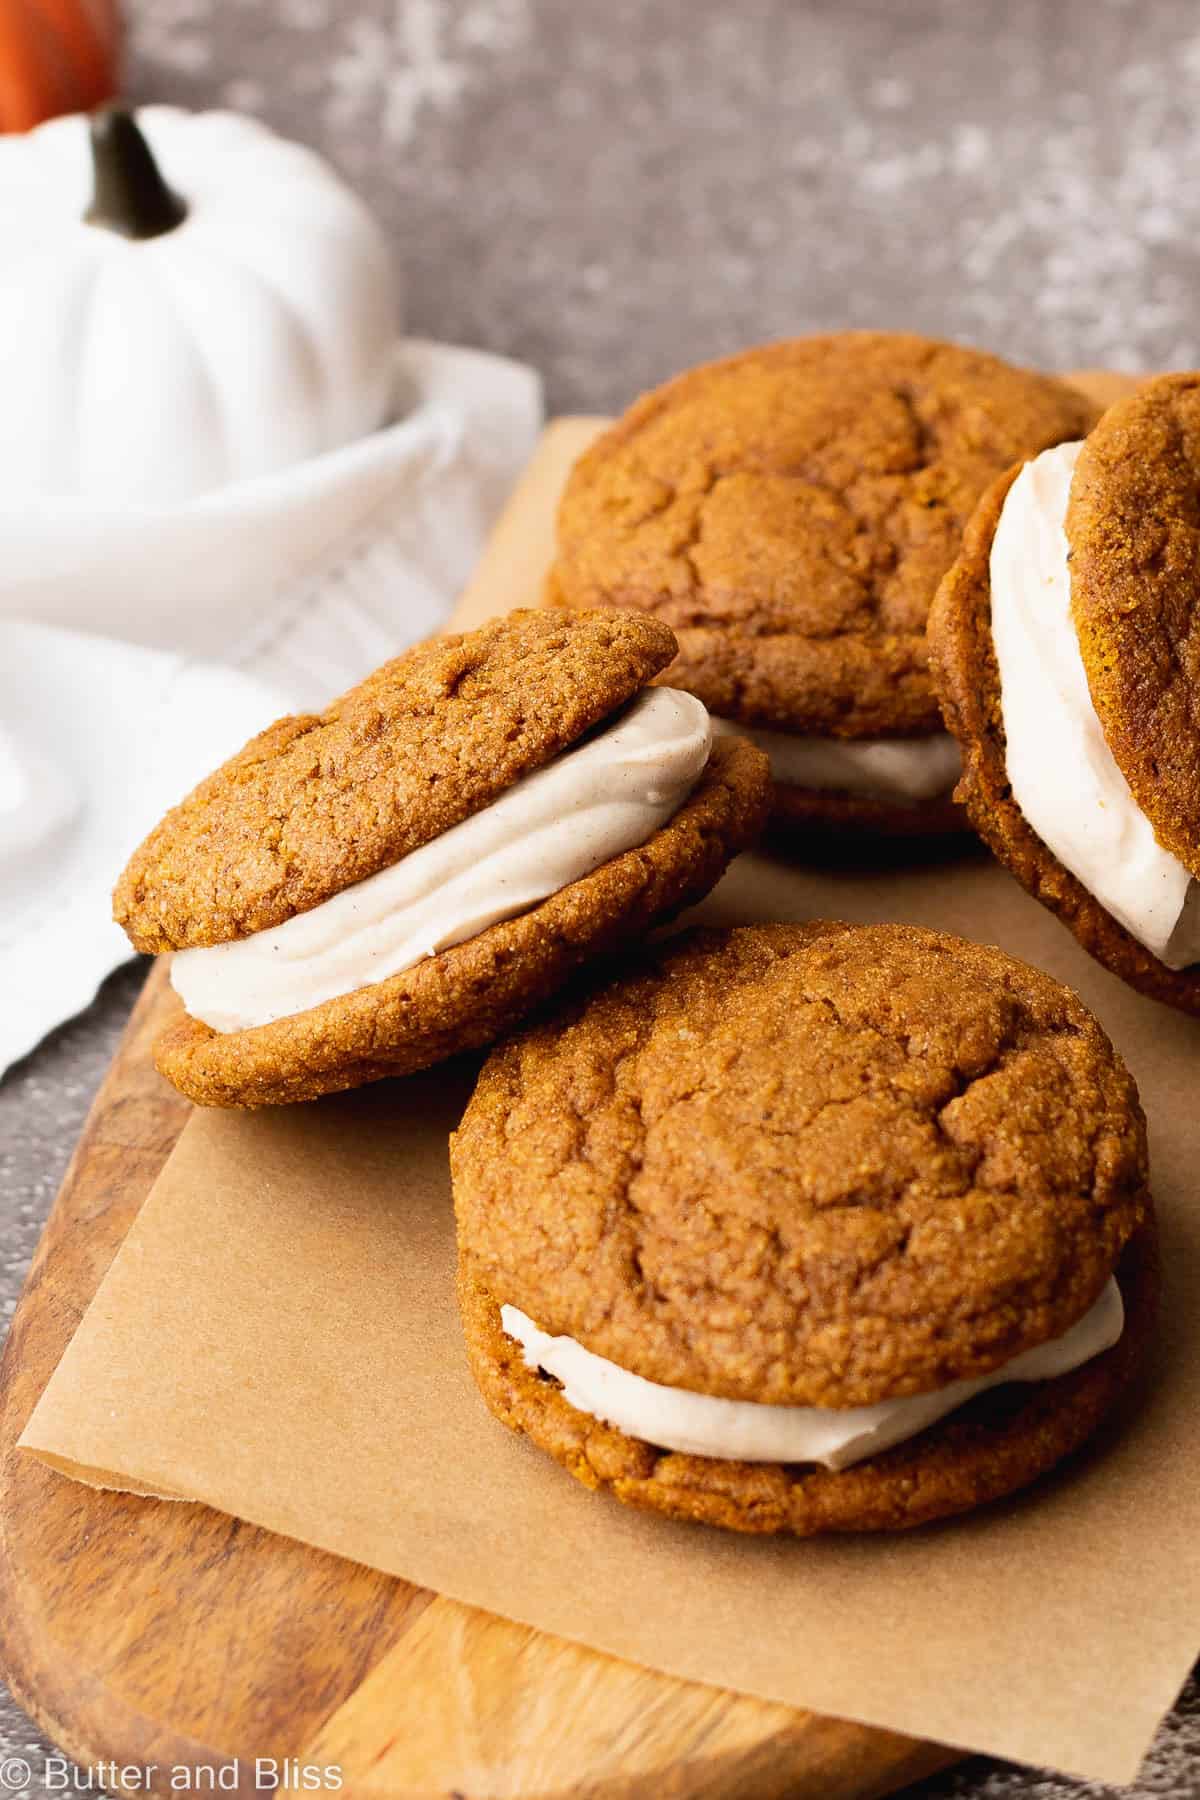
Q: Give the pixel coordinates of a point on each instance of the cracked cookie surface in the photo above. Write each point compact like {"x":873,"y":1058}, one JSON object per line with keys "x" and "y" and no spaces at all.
{"x":790,"y":511}
{"x":812,"y":1164}
{"x":1133,"y":523}
{"x":320,"y":801}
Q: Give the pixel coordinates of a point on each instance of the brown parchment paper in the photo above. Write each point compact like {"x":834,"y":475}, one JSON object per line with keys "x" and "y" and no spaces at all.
{"x":278,"y":1337}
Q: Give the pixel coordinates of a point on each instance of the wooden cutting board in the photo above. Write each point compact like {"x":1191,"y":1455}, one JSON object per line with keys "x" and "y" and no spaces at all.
{"x":141,"y":1632}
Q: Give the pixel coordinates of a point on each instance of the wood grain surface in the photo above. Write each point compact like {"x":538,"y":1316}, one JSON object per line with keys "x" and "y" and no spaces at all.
{"x":139,"y":1631}
{"x":143,"y":1632}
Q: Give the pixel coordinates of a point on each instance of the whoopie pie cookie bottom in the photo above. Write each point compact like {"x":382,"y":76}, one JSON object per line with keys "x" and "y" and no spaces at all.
{"x":467,"y":996}
{"x":999,"y":1442}
{"x":839,"y":814}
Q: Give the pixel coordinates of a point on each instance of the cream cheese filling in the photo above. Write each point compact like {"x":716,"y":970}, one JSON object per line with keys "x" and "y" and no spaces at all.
{"x":1063,"y":774}
{"x":874,"y":768}
{"x":595,"y":801}
{"x":748,"y":1431}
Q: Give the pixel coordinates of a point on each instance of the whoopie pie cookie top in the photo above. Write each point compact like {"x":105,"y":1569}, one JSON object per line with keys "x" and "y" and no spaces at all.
{"x":1133,"y":524}
{"x":813,"y":1164}
{"x":790,"y":512}
{"x":319,"y":801}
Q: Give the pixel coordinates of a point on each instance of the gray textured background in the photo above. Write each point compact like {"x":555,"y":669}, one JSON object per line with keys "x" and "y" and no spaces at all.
{"x":612,"y":189}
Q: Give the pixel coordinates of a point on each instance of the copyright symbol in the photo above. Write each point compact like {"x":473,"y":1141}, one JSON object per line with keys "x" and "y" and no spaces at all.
{"x":15,"y":1773}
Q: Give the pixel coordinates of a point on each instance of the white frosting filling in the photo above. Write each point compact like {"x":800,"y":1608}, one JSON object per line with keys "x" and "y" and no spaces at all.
{"x":877,"y":768}
{"x":747,"y":1431}
{"x":598,"y":799}
{"x":1063,"y":774}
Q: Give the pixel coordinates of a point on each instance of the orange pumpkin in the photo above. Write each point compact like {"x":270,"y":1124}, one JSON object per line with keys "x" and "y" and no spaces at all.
{"x":56,"y":56}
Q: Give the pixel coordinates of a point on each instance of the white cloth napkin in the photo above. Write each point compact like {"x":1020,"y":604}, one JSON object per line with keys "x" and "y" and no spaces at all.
{"x":139,"y":648}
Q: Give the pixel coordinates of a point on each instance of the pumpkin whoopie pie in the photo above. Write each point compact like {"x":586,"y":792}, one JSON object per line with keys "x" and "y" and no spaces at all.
{"x":807,"y":1228}
{"x":789,"y":512}
{"x":1066,"y":647}
{"x":361,"y":893}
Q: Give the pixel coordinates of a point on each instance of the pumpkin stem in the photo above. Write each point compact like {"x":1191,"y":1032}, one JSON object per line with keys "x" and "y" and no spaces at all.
{"x":129,"y":194}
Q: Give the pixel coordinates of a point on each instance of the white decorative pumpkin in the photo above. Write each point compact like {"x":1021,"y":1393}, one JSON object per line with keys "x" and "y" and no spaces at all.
{"x":186,"y":301}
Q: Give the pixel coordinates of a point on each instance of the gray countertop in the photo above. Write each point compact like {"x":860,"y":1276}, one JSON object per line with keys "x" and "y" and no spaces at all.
{"x":613,"y":189}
